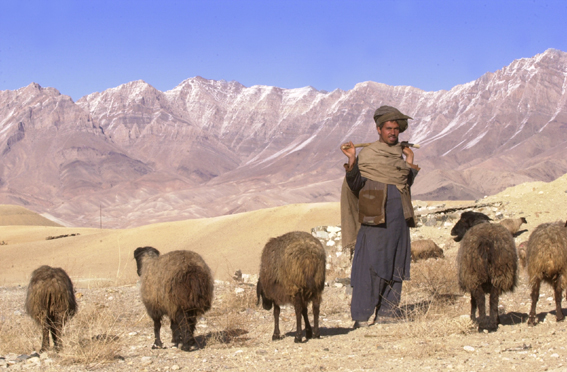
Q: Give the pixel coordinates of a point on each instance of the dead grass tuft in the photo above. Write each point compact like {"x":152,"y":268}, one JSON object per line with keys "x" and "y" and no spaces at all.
{"x":432,"y":302}
{"x":19,"y":334}
{"x":93,"y":337}
{"x":231,"y":314}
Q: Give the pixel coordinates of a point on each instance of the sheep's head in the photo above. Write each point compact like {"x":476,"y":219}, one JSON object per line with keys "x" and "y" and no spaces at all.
{"x":468,"y":220}
{"x":142,"y":252}
{"x":266,"y":303}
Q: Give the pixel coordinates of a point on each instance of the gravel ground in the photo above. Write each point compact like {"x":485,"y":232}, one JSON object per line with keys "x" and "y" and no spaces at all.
{"x":112,"y":333}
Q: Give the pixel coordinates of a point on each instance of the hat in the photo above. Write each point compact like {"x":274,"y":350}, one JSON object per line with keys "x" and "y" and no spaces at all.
{"x":389,"y":113}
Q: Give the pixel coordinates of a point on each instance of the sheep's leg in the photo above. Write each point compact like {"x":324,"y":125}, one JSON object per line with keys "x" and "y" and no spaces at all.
{"x":535,"y":297}
{"x":55,"y":326}
{"x":492,"y":325}
{"x":480,"y":300}
{"x":187,"y":322}
{"x":276,"y":335}
{"x":558,"y":311}
{"x":298,"y":305}
{"x":316,"y":303}
{"x":157,"y":327}
{"x":473,"y":307}
{"x":308,"y":330}
{"x":45,"y":337}
{"x":175,"y":336}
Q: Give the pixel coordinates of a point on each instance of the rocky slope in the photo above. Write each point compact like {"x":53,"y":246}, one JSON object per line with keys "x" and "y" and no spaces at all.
{"x":208,"y":148}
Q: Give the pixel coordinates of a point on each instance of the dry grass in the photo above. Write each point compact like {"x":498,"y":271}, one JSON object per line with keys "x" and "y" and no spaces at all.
{"x":432,"y":303}
{"x":230,"y":314}
{"x":18,"y":334}
{"x":93,"y":337}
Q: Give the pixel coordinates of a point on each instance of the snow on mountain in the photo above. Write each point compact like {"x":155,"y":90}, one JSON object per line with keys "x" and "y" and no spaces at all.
{"x":211,"y":147}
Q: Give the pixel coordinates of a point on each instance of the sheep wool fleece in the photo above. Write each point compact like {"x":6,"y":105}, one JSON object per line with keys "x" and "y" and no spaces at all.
{"x":382,"y":254}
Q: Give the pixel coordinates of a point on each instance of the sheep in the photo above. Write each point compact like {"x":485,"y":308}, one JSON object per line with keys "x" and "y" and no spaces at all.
{"x":513,"y":224}
{"x":487,"y":263}
{"x":468,"y":219}
{"x":50,"y":301}
{"x":424,"y":249}
{"x":178,"y":284}
{"x":546,"y":258}
{"x":292,"y":270}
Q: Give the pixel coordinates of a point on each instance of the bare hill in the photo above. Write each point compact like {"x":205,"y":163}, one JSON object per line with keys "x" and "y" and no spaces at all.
{"x":227,"y":243}
{"x":16,"y":215}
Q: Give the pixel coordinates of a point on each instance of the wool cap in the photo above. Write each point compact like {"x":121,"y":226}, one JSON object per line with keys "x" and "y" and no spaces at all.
{"x":389,"y":113}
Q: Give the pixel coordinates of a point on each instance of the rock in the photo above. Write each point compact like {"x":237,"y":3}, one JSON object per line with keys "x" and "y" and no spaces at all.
{"x":175,"y":367}
{"x":146,"y":361}
{"x":22,"y":357}
{"x":33,"y":360}
{"x":470,"y":349}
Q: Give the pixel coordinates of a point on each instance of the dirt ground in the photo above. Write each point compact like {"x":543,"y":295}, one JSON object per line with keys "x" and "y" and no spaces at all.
{"x":112,"y":332}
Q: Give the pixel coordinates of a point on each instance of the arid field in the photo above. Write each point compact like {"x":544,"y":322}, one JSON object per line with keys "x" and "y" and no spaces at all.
{"x":111,"y":331}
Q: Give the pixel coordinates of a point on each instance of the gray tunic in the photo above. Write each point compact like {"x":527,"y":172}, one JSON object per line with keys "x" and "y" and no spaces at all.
{"x":381,"y":259}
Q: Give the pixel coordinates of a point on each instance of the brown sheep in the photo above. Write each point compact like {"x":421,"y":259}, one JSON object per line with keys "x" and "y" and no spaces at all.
{"x":50,"y":301}
{"x":513,"y":224}
{"x":178,"y":284}
{"x":292,"y":270}
{"x":424,"y":249}
{"x":546,"y":258}
{"x":487,"y":263}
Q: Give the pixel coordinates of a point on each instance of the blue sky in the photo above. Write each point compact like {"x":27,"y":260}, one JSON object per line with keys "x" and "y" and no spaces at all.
{"x":80,"y":47}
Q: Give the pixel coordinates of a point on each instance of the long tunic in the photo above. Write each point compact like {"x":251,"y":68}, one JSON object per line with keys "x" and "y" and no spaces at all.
{"x":382,"y":257}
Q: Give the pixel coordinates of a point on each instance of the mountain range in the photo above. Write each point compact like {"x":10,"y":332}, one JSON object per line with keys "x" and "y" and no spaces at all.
{"x":134,"y":155}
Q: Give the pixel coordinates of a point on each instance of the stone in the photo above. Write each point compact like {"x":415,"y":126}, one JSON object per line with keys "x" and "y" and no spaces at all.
{"x":146,"y":361}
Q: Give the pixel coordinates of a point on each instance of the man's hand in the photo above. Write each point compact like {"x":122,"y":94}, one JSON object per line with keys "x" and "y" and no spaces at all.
{"x":350,"y":151}
{"x":408,"y":153}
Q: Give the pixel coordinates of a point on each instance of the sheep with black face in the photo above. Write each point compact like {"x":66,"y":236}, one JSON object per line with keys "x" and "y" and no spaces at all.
{"x":178,"y":284}
{"x":487,"y":263}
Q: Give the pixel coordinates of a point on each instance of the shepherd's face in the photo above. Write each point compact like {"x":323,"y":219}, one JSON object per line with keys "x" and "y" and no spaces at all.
{"x":389,"y":132}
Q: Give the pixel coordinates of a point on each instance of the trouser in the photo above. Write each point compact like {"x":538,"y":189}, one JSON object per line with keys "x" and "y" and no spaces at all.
{"x":381,"y":297}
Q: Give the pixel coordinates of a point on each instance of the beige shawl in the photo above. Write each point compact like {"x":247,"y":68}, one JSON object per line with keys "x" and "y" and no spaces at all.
{"x":377,"y":162}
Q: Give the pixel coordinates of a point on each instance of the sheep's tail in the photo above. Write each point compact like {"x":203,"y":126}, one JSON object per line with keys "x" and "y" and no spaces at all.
{"x":308,"y":270}
{"x":192,"y":288}
{"x":50,"y":293}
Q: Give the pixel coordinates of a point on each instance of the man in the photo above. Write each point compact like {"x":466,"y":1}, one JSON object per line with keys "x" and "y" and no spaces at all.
{"x":376,"y":201}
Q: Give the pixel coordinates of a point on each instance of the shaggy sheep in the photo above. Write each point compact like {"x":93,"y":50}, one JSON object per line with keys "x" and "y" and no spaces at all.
{"x":487,"y":263}
{"x":513,"y":224}
{"x":178,"y":284}
{"x":468,"y":219}
{"x":546,"y":258}
{"x":50,"y":301}
{"x":424,"y":249}
{"x":292,"y":270}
